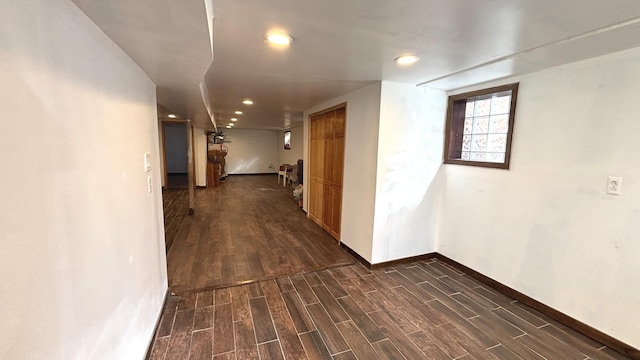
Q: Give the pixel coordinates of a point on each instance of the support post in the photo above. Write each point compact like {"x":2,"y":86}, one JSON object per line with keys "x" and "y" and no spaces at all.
{"x":190,"y":174}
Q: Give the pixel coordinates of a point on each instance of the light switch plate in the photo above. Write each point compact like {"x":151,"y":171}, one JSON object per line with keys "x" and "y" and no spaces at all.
{"x":614,"y":185}
{"x":147,"y":162}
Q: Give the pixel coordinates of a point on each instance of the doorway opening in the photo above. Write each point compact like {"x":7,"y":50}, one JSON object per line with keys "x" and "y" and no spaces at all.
{"x":175,"y":155}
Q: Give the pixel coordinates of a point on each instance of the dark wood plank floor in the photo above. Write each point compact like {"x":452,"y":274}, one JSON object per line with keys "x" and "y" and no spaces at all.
{"x":175,"y":203}
{"x":420,"y":310}
{"x":255,"y":279}
{"x":247,"y":229}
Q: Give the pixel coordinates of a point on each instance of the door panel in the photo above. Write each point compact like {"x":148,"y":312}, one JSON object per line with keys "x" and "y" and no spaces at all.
{"x":327,"y":135}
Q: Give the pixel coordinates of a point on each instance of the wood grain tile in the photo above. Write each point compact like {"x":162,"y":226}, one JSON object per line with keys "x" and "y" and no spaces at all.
{"x":160,"y":346}
{"x":314,"y":347}
{"x":223,"y":338}
{"x":357,"y":342}
{"x":262,"y":320}
{"x":271,"y":350}
{"x":361,"y":319}
{"x":201,"y":345}
{"x":330,"y":304}
{"x":428,"y":346}
{"x":203,"y":318}
{"x":354,"y":291}
{"x":298,"y":312}
{"x":332,"y":284}
{"x":399,"y":339}
{"x":180,"y":335}
{"x":291,"y":345}
{"x":304,"y":290}
{"x":327,"y":329}
{"x":420,"y":310}
{"x":386,"y":350}
{"x":347,"y":355}
{"x":214,"y":249}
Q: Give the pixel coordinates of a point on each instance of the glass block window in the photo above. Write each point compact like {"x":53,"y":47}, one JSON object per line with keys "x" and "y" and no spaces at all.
{"x":480,"y":126}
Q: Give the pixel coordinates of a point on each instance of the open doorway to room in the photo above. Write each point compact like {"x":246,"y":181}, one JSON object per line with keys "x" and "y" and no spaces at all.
{"x":175,"y":192}
{"x":175,"y":155}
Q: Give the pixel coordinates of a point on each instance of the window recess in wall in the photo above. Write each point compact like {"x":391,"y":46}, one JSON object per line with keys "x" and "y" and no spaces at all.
{"x":480,"y":126}
{"x":287,"y":140}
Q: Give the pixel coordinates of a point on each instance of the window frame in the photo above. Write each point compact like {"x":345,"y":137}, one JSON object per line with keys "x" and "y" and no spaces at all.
{"x":287,"y":142}
{"x":449,"y":127}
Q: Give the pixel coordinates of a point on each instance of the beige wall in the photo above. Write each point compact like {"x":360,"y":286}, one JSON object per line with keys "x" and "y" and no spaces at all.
{"x":81,"y":240}
{"x":409,"y":183}
{"x":251,"y":151}
{"x":546,"y":227}
{"x":292,"y":155}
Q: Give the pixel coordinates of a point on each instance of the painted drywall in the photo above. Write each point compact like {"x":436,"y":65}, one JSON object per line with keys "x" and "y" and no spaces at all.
{"x":175,"y":142}
{"x":546,"y":227}
{"x":81,"y":241}
{"x":251,"y":151}
{"x":292,"y":155}
{"x":359,"y":182}
{"x":409,"y":184}
{"x":200,"y":156}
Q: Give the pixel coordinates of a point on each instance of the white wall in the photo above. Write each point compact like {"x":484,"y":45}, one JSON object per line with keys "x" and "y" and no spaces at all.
{"x":359,"y":183}
{"x":200,"y":157}
{"x":251,"y":151}
{"x":175,"y":142}
{"x":81,"y":241}
{"x":546,"y":227}
{"x":409,"y":185}
{"x":292,"y":155}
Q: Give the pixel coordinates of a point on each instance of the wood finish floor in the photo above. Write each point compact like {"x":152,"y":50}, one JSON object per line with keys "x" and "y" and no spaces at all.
{"x":247,"y":229}
{"x":256,"y":279}
{"x":175,"y":203}
{"x":421,"y":310}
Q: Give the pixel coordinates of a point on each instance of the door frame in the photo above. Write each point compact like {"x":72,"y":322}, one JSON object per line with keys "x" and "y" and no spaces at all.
{"x":310,"y":165}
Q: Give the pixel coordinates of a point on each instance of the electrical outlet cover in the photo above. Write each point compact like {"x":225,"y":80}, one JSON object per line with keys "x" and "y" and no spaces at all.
{"x":614,"y":185}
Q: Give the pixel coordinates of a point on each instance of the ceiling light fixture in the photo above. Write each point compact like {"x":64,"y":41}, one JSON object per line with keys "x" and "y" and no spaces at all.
{"x":238,"y":112}
{"x":278,"y":38}
{"x":172,"y":116}
{"x":228,"y":127}
{"x":247,"y":102}
{"x":406,"y":59}
{"x":232,"y":124}
{"x":234,"y":119}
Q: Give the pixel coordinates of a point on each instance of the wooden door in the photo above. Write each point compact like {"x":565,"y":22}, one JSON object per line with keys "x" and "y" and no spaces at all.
{"x":327,"y":216}
{"x":314,"y":176}
{"x":337,"y":172}
{"x":327,"y":135}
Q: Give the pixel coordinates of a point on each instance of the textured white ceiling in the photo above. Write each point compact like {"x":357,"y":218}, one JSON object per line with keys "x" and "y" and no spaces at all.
{"x":340,"y":46}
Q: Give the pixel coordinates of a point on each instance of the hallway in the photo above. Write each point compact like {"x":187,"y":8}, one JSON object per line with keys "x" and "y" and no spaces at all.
{"x":245,"y":230}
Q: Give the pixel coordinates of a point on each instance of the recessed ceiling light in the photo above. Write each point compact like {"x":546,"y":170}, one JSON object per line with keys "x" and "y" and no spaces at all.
{"x":238,"y":112}
{"x":247,"y":102}
{"x":234,"y":119}
{"x":228,"y":127}
{"x":232,"y":124}
{"x":172,"y":116}
{"x":278,"y":38}
{"x":406,"y":59}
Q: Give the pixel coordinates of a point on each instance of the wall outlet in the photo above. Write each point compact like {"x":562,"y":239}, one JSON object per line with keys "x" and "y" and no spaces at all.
{"x":614,"y":185}
{"x":149,"y":184}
